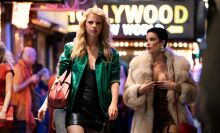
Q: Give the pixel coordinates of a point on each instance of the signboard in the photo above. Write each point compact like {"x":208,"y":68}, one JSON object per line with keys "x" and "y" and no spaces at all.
{"x":133,"y":19}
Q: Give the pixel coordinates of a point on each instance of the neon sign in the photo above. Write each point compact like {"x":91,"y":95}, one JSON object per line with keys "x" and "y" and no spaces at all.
{"x":149,"y":13}
{"x":133,"y":20}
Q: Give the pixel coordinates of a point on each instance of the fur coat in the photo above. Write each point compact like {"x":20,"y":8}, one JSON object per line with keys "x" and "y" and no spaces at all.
{"x":140,"y":70}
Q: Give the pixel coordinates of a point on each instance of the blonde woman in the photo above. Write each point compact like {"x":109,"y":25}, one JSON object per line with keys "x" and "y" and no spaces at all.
{"x":95,"y":75}
{"x":6,"y":76}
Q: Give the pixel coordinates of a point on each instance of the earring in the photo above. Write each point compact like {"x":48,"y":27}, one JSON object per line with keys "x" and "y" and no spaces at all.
{"x":162,"y":48}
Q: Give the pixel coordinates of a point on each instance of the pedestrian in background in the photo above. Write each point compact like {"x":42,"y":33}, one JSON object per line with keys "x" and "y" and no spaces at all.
{"x":39,"y":95}
{"x":6,"y":84}
{"x":153,"y":80}
{"x":24,"y":82}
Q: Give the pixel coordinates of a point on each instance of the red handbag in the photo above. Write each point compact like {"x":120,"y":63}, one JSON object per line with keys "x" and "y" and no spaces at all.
{"x":58,"y":94}
{"x":184,"y":127}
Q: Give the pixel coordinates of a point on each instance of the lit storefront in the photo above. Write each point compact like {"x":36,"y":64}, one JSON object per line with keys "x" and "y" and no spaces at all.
{"x":18,"y":30}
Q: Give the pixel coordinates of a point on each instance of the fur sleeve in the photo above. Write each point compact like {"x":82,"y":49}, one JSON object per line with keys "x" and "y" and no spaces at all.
{"x":189,"y":91}
{"x":183,"y":77}
{"x":130,"y":96}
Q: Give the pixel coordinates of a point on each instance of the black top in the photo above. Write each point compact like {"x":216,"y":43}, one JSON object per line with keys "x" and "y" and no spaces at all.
{"x":87,"y":110}
{"x":162,"y":116}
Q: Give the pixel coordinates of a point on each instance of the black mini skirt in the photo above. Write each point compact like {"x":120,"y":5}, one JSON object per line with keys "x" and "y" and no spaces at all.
{"x":85,"y":122}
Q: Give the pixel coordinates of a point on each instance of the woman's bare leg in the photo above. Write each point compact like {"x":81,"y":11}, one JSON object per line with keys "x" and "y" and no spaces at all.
{"x":75,"y":129}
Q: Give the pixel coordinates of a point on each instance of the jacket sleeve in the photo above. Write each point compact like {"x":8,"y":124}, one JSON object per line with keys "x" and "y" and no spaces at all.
{"x":130,"y":96}
{"x":65,"y":59}
{"x":189,"y":87}
{"x":115,"y":73}
{"x":189,"y":90}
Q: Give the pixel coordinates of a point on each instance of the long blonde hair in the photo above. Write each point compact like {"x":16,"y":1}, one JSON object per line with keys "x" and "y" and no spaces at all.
{"x":105,"y":36}
{"x":6,"y":56}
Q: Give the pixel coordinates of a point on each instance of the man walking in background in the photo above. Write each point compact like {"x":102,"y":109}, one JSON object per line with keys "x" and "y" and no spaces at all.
{"x":23,"y":82}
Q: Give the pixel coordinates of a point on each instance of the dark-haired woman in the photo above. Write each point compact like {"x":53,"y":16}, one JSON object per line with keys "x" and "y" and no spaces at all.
{"x":155,"y":78}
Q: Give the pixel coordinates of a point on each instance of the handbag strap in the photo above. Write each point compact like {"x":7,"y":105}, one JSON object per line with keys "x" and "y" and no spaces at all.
{"x":69,"y":66}
{"x":68,"y":70}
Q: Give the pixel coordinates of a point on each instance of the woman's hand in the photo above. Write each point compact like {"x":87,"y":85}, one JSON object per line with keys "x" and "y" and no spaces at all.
{"x":2,"y":115}
{"x":113,"y":111}
{"x":41,"y":112}
{"x":168,"y":84}
{"x":146,"y":87}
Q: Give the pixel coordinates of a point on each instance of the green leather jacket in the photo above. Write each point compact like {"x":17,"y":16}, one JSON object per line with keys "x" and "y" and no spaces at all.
{"x":106,"y":74}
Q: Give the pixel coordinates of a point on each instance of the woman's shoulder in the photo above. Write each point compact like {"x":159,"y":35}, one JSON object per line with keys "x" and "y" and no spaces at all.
{"x":5,"y":68}
{"x":114,"y":51}
{"x":68,"y":45}
{"x":180,"y":59}
{"x":181,"y":62}
{"x":143,"y":57}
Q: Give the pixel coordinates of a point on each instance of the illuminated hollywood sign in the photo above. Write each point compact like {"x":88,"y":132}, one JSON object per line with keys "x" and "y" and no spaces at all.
{"x":139,"y":18}
{"x":132,"y":20}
